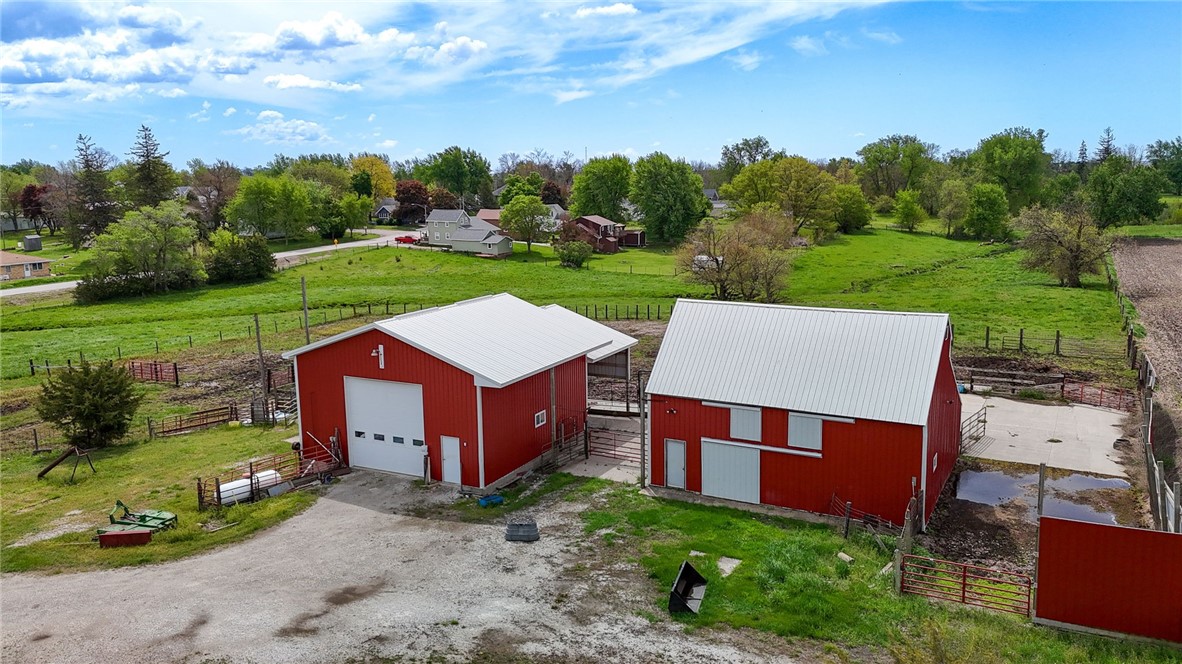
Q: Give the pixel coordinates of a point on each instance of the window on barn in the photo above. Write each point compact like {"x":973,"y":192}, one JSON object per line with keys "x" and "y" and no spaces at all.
{"x":398,"y":439}
{"x":539,"y":418}
{"x":804,"y":432}
{"x":746,"y":422}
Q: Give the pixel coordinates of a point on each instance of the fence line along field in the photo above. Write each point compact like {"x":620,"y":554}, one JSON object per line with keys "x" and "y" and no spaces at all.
{"x":979,"y":285}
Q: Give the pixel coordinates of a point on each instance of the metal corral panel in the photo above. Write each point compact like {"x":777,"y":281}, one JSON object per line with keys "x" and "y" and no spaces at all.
{"x":730,"y":471}
{"x":472,"y":335}
{"x":618,"y":340}
{"x":860,"y":364}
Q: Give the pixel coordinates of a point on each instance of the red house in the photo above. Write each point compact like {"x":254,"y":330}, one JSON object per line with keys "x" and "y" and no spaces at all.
{"x":472,"y":392}
{"x":793,"y":406}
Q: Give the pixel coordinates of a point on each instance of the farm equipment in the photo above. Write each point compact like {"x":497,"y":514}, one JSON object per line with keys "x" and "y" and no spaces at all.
{"x":152,"y":520}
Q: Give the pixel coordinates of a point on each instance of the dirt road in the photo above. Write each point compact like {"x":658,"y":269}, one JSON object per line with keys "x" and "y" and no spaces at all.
{"x":356,"y":577}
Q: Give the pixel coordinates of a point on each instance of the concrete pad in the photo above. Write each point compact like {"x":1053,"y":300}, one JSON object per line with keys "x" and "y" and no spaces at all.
{"x":1020,"y":432}
{"x":727,"y":565}
{"x":606,"y":468}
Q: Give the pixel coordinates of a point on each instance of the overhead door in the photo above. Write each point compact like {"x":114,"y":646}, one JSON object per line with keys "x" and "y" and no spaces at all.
{"x":385,"y":421}
{"x":730,"y":471}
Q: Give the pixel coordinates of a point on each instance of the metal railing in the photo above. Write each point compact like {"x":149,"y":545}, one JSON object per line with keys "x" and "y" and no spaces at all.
{"x":199,"y":420}
{"x":968,"y":584}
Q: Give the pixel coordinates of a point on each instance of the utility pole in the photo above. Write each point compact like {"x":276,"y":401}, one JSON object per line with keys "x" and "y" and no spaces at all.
{"x":304,"y":291}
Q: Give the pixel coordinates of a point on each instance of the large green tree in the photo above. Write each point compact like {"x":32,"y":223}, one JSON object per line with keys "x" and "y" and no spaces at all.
{"x":149,"y":251}
{"x":293,"y":207}
{"x":1117,"y":193}
{"x":252,"y":209}
{"x":527,"y":219}
{"x":93,"y":404}
{"x":515,"y":185}
{"x":381,"y":178}
{"x":1064,"y":242}
{"x":151,"y":180}
{"x":465,"y":173}
{"x":94,"y":192}
{"x":851,"y":210}
{"x":213,"y":187}
{"x":893,"y":163}
{"x":748,"y":151}
{"x":601,"y":188}
{"x":1016,"y":160}
{"x":236,"y":258}
{"x":954,"y":205}
{"x":802,"y":192}
{"x":988,"y":213}
{"x":908,"y":212}
{"x":668,"y":197}
{"x":1166,"y":157}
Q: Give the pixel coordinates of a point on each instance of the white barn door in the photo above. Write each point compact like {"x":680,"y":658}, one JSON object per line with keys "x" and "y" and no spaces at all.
{"x":675,"y":463}
{"x":450,"y":445}
{"x":385,"y":421}
{"x":730,"y":471}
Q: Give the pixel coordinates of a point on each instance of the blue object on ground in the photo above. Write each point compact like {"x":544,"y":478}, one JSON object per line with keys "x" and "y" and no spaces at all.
{"x":491,"y":500}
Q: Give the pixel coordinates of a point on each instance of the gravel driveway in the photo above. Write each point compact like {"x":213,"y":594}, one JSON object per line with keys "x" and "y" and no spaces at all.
{"x":356,"y":576}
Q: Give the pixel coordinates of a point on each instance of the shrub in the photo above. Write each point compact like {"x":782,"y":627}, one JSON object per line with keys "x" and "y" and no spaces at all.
{"x":233,"y":258}
{"x":908,"y":213}
{"x":988,"y":214}
{"x":851,"y":212}
{"x":884,"y":205}
{"x":97,"y":288}
{"x":573,"y":254}
{"x":92,"y":403}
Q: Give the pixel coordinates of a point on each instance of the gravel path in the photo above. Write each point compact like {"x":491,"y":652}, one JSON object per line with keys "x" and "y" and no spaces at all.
{"x":353,"y":578}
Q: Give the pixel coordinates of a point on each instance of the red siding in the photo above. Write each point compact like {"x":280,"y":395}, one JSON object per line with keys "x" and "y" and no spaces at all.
{"x":510,"y":438}
{"x":449,"y":396}
{"x":868,"y":462}
{"x":943,"y":428}
{"x":1112,"y":578}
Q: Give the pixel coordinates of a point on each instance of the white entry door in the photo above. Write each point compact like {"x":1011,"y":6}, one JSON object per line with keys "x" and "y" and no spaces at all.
{"x":674,"y":463}
{"x":28,"y":270}
{"x":730,"y":471}
{"x":385,"y":421}
{"x":451,"y":458}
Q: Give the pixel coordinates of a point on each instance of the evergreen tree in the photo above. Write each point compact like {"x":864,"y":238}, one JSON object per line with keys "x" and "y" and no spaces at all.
{"x":97,"y":203}
{"x":1107,"y":146}
{"x":93,"y":404}
{"x":152,"y":179}
{"x":1081,"y":162}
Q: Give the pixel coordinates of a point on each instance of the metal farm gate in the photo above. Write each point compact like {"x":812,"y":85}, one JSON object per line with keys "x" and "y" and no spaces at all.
{"x":968,"y":584}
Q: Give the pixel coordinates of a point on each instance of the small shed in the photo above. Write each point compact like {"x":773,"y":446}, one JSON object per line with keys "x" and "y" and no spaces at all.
{"x":801,"y":407}
{"x":611,"y":361}
{"x":472,"y":393}
{"x":31,"y":243}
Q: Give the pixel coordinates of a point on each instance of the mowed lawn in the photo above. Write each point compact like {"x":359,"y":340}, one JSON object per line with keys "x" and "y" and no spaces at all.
{"x":979,"y":285}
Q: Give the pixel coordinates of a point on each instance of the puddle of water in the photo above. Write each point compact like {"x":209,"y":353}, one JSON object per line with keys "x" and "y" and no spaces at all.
{"x":997,"y":488}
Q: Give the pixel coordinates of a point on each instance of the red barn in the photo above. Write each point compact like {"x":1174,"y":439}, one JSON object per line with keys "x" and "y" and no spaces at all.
{"x":475,"y":390}
{"x":792,"y":406}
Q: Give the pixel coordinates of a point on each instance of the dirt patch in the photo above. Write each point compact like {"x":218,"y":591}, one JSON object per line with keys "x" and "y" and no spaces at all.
{"x":1027,"y":363}
{"x":70,"y":523}
{"x":14,"y":406}
{"x":1150,"y":270}
{"x":350,"y":594}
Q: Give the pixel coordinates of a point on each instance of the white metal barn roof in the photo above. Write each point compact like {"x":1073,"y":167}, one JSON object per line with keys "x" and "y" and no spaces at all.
{"x":500,"y":339}
{"x":874,"y":365}
{"x":618,"y":340}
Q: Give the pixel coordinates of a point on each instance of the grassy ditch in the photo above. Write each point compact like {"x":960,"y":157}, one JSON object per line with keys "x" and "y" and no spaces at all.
{"x":791,"y":583}
{"x":144,"y":474}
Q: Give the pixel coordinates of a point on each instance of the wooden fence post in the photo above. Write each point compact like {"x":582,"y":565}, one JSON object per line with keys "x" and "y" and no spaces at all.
{"x":898,"y":571}
{"x":48,"y":371}
{"x":986,"y":337}
{"x":176,"y":375}
{"x":32,"y":368}
{"x":846,"y":530}
{"x":1058,"y":339}
{"x":1021,"y":339}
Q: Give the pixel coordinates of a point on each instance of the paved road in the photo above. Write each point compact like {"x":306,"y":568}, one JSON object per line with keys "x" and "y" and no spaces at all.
{"x":384,"y":235}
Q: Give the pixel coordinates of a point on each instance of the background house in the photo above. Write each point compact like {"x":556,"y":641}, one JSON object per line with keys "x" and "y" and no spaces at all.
{"x":460,"y":232}
{"x":428,"y":388}
{"x":601,"y":233}
{"x":19,"y":266}
{"x":386,"y":212}
{"x":797,"y":406}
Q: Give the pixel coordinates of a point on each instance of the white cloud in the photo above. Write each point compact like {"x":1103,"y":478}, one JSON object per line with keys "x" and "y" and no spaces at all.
{"x":618,"y":9}
{"x":449,"y":52}
{"x":388,"y":144}
{"x":272,"y":127}
{"x":563,"y":96}
{"x":172,"y":94}
{"x":808,"y":46}
{"x":884,"y":36}
{"x":330,"y":31}
{"x":229,"y":111}
{"x":371,"y":117}
{"x":746,"y":60}
{"x":287,"y":81}
{"x":205,"y":105}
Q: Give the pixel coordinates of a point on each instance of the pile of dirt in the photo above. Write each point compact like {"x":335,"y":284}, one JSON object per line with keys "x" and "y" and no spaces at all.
{"x":1022,"y":363}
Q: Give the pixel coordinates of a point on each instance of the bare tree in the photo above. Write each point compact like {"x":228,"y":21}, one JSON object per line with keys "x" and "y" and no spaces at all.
{"x":736,"y":263}
{"x":1065,"y":242}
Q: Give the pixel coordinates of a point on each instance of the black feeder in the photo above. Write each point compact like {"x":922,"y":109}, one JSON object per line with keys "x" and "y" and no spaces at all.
{"x":688,"y":590}
{"x":522,"y":529}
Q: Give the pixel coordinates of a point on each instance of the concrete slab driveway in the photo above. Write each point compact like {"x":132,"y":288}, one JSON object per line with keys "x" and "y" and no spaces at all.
{"x":1073,"y":437}
{"x":353,"y":578}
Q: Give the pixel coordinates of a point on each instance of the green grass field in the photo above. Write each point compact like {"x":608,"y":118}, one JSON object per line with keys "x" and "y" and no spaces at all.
{"x":144,"y":474}
{"x":790,"y":582}
{"x":979,"y":285}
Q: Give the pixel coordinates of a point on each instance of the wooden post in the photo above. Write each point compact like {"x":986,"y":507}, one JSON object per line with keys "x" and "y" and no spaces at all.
{"x":1161,"y":494}
{"x":32,"y":368}
{"x":119,"y":350}
{"x":1042,"y":482}
{"x":846,"y":530}
{"x":48,"y":371}
{"x":1151,"y":472}
{"x":37,"y":444}
{"x":176,"y":375}
{"x":190,"y":341}
{"x":157,"y":346}
{"x":898,"y":571}
{"x":986,"y":337}
{"x":1058,"y":339}
{"x":151,"y":431}
{"x":262,"y":363}
{"x":1021,"y":339}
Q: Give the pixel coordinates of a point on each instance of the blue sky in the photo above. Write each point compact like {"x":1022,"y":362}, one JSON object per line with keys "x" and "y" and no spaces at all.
{"x":243,"y":81}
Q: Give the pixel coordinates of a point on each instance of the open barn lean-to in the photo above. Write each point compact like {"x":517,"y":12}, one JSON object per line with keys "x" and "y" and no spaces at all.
{"x":472,"y":393}
{"x":799,"y":407}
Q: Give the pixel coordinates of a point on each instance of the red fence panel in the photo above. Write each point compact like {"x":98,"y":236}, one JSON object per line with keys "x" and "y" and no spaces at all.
{"x":968,"y":584}
{"x":154,"y":372}
{"x":1099,"y":395}
{"x":1110,"y":578}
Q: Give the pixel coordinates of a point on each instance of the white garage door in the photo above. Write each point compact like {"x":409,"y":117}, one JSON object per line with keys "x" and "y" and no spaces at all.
{"x":730,"y":471}
{"x":385,"y":421}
